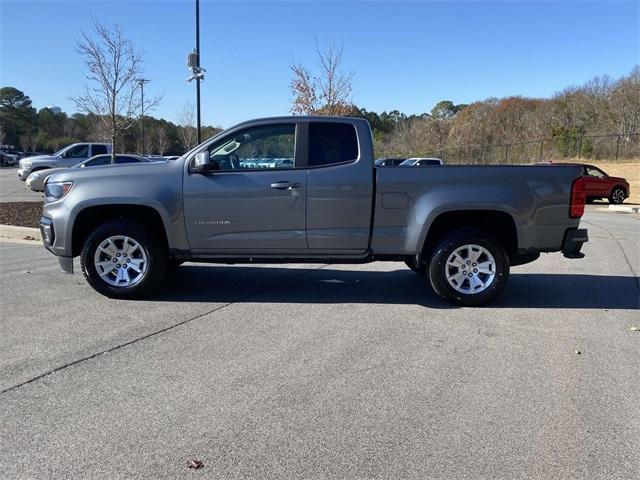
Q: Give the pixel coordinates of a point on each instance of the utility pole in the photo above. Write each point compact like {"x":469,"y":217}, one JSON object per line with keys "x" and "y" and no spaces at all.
{"x":198,"y":66}
{"x":197,"y":72}
{"x":141,"y":82}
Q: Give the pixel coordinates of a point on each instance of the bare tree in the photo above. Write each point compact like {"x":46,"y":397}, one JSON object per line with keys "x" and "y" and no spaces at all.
{"x":187,"y":130}
{"x":161,"y":139}
{"x":113,"y":66}
{"x":328,"y":93}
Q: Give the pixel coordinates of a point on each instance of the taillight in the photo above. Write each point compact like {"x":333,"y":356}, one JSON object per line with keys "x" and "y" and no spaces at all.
{"x":578,"y":198}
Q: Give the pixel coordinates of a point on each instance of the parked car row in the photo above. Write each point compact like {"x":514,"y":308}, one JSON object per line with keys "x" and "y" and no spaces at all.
{"x":36,"y":180}
{"x":10,"y":157}
{"x":408,"y":162}
{"x":37,"y":169}
{"x":64,"y":158}
{"x":266,"y":163}
{"x":598,"y":184}
{"x":7,"y":159}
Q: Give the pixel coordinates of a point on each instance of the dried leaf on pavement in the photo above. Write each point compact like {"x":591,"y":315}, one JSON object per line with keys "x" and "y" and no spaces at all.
{"x":194,"y":464}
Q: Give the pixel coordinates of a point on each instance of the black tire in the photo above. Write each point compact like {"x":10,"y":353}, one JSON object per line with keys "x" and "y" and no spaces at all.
{"x":447,"y":246}
{"x":617,"y":196}
{"x":420,"y":269}
{"x":154,"y":249}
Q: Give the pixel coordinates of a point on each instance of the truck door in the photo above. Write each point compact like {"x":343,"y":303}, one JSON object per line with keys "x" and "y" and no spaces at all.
{"x":255,"y":202}
{"x":74,"y":155}
{"x":339,"y":186}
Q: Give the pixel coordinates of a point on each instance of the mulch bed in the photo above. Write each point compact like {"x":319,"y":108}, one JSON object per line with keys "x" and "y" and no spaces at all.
{"x":21,"y":214}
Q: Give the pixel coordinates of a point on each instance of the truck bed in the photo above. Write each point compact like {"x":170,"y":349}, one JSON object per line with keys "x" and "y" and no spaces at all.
{"x":536,"y":197}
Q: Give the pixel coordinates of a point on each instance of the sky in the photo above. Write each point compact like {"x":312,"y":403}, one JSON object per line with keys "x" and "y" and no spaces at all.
{"x":404,"y":55}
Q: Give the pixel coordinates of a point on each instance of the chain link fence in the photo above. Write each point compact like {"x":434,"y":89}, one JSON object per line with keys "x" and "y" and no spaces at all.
{"x":587,"y":147}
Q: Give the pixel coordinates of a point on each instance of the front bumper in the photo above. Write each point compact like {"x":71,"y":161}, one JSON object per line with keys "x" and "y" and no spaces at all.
{"x":48,"y":233}
{"x":23,"y":173}
{"x":573,"y":241}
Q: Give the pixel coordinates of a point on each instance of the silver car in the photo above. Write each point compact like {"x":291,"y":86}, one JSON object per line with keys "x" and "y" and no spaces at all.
{"x":37,"y":180}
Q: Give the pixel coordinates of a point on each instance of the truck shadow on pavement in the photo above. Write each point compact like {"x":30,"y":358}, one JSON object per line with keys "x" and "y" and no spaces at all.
{"x":269,"y":284}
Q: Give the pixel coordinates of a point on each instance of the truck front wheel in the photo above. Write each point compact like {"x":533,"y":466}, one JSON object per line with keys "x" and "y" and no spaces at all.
{"x":121,"y":259}
{"x":419,"y":268}
{"x":468,"y":267}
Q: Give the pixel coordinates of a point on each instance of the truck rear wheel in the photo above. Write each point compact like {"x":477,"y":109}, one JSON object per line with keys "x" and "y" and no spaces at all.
{"x":121,"y":259}
{"x":469,"y":267}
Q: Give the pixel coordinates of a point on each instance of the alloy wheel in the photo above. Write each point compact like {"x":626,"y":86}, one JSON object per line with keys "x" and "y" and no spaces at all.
{"x":120,"y":261}
{"x":470,"y":269}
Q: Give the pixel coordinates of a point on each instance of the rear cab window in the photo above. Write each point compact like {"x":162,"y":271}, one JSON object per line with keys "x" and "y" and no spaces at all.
{"x":332,"y":143}
{"x":98,"y":149}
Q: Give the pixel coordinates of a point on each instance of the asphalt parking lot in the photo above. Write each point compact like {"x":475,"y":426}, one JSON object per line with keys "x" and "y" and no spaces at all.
{"x":12,"y":189}
{"x":315,"y":371}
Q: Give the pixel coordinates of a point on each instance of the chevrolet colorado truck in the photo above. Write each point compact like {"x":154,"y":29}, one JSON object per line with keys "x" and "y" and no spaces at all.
{"x":460,"y":227}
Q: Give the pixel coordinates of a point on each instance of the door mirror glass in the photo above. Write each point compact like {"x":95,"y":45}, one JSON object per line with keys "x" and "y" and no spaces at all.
{"x":202,"y":163}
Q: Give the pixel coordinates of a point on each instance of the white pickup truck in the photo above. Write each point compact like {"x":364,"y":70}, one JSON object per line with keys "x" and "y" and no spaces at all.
{"x":67,"y":157}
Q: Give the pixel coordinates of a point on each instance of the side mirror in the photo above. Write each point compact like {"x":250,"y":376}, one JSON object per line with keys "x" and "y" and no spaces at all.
{"x":202,"y":163}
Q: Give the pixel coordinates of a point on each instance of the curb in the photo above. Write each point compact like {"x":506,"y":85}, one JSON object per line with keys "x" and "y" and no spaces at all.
{"x":22,"y":235}
{"x":625,"y":208}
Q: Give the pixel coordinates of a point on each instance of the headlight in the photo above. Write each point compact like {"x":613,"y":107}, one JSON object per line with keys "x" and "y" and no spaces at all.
{"x":55,"y":191}
{"x":25,"y":163}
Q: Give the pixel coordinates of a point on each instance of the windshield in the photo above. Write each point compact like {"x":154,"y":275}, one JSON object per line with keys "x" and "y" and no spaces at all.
{"x":61,"y":151}
{"x":187,"y":154}
{"x":407,"y":163}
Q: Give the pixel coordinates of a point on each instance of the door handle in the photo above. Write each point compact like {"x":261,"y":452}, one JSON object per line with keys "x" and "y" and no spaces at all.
{"x":285,"y":185}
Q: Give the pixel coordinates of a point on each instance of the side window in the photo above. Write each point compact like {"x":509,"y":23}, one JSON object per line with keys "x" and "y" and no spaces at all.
{"x":127,"y":160}
{"x":270,"y":147}
{"x":594,"y":172}
{"x":331,"y":143}
{"x":99,"y":149}
{"x":97,"y":161}
{"x":79,"y":151}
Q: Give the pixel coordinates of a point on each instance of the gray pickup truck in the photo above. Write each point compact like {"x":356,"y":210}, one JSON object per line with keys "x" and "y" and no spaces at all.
{"x":305,"y":189}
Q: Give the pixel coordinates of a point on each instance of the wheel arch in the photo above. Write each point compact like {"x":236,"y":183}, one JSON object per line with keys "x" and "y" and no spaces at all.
{"x":498,"y":223}
{"x":87,"y":219}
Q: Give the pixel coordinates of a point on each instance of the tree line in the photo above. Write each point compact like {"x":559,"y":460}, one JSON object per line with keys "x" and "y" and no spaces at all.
{"x":599,"y":120}
{"x":46,"y":130}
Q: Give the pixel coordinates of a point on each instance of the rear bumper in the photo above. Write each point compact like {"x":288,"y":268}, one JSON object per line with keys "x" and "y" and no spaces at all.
{"x":573,"y":241}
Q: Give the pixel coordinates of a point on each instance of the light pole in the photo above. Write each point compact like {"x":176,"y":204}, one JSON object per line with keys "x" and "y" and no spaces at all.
{"x":141,"y":82}
{"x":197,"y":72}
